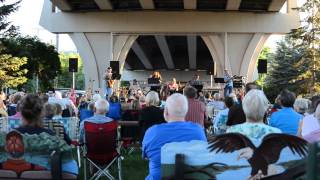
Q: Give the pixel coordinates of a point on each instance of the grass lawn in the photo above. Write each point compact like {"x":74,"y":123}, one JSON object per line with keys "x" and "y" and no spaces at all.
{"x":133,"y":167}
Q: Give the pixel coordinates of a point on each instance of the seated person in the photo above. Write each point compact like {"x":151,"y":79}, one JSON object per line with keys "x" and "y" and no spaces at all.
{"x":220,"y":121}
{"x":286,"y":119}
{"x":309,"y":127}
{"x":255,"y":106}
{"x":236,"y":114}
{"x":236,"y":163}
{"x":176,"y":130}
{"x":86,"y":113}
{"x":14,"y":100}
{"x":54,"y":125}
{"x":217,"y":103}
{"x":101,"y":108}
{"x":58,"y":112}
{"x":114,"y":108}
{"x":31,"y":108}
{"x":151,"y":114}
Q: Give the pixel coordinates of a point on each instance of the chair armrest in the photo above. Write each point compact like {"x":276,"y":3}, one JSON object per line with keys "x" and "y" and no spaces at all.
{"x":56,"y":169}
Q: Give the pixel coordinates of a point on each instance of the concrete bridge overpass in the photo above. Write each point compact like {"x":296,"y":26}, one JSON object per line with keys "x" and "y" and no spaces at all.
{"x":176,"y":36}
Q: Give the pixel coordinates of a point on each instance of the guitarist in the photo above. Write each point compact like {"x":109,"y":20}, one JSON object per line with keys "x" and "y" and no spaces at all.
{"x":228,"y":84}
{"x":109,"y":82}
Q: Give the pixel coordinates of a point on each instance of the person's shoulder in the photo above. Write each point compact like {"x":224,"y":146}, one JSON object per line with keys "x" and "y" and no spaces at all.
{"x":153,"y":131}
{"x":192,"y":125}
{"x":235,"y":128}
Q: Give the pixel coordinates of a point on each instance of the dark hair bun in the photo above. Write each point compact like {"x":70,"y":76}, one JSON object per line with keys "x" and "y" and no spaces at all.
{"x":31,"y":107}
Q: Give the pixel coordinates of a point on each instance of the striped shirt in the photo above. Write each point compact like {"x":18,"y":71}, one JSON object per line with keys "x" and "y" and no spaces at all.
{"x":196,"y":112}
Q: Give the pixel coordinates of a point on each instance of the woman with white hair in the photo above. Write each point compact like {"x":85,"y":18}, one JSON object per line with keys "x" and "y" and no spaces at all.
{"x":309,"y":126}
{"x":255,"y":105}
{"x":301,"y":105}
{"x":151,"y":114}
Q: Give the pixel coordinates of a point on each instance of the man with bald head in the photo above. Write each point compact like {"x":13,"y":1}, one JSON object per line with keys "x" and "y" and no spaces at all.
{"x":176,"y":130}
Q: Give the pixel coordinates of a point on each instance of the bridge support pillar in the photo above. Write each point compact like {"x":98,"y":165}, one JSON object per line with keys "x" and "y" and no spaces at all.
{"x":237,"y":52}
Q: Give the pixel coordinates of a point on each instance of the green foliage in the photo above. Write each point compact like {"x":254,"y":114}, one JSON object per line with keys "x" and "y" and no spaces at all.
{"x":6,"y":29}
{"x":43,"y":59}
{"x":64,"y":79}
{"x":11,"y":74}
{"x":296,"y":63}
{"x":282,"y":70}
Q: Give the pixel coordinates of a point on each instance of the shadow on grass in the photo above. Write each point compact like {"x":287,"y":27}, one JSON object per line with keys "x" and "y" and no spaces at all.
{"x":133,"y":167}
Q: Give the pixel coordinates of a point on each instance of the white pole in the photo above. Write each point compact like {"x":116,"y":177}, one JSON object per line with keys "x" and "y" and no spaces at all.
{"x":37,"y":83}
{"x":211,"y":77}
{"x":73,"y":80}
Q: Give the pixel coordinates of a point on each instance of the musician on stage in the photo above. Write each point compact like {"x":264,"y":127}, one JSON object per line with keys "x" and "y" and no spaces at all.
{"x":195,"y":81}
{"x":229,"y":84}
{"x":173,"y":86}
{"x":155,"y":81}
{"x":109,"y":82}
{"x":156,"y":76}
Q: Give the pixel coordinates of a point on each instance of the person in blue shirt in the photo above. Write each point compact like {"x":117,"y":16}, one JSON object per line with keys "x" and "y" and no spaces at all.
{"x":114,"y":108}
{"x":101,"y":107}
{"x":176,"y":130}
{"x":286,"y":119}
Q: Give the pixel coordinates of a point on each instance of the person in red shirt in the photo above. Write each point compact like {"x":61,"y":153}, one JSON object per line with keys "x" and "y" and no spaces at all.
{"x":197,"y":109}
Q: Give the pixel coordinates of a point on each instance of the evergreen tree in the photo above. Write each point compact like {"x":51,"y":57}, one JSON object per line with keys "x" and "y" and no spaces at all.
{"x":6,"y":29}
{"x":296,"y":63}
{"x":307,"y":37}
{"x":282,"y":69}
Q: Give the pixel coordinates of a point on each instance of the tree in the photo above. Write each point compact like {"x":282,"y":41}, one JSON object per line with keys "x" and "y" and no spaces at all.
{"x":283,"y":72}
{"x":43,"y":59}
{"x":6,"y":29}
{"x":64,"y":79}
{"x":296,"y":63}
{"x":307,"y":37}
{"x":11,"y":74}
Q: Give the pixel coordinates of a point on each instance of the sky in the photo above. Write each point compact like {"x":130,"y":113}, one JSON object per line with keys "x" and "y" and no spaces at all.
{"x":28,"y":15}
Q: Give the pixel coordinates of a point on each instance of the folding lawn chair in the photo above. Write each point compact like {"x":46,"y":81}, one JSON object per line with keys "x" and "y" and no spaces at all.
{"x":101,"y":148}
{"x":130,"y":134}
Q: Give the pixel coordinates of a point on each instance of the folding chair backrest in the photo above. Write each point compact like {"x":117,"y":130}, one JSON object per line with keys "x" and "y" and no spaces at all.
{"x":13,"y":123}
{"x":131,"y":132}
{"x":4,"y":124}
{"x":101,"y":139}
{"x":55,"y":126}
{"x":313,"y":164}
{"x":71,"y":126}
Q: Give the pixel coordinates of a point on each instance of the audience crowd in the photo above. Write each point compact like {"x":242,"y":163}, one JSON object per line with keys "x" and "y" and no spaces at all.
{"x":168,"y":118}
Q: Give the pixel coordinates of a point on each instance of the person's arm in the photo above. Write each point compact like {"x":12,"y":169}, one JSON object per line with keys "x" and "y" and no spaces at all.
{"x":75,"y":109}
{"x":66,"y":137}
{"x":300,"y":128}
{"x":230,"y":117}
{"x":272,"y":121}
